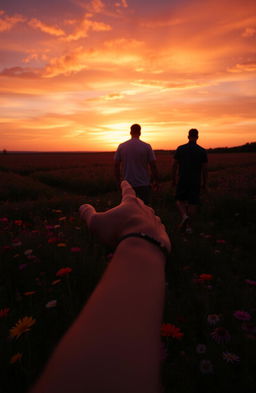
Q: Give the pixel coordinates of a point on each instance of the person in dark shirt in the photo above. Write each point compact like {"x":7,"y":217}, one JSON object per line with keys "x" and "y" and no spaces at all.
{"x":189,"y":175}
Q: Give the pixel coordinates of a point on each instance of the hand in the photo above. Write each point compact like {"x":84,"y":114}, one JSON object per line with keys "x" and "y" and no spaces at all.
{"x":132,"y":215}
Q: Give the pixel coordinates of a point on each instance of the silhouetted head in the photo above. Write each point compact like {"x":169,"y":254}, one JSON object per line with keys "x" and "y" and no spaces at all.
{"x":135,"y":130}
{"x":193,"y":135}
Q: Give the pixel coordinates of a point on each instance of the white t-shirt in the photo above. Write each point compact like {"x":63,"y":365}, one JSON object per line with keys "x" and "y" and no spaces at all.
{"x":135,"y":155}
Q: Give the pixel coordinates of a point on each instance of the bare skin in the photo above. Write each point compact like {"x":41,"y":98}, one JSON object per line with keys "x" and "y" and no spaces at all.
{"x":114,"y":345}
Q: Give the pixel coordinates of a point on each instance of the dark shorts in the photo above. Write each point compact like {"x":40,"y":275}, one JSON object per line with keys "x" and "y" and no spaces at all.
{"x":144,"y":193}
{"x":188,"y":193}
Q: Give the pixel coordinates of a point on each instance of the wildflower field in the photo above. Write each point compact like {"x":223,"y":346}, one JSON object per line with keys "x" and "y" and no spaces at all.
{"x":50,"y":264}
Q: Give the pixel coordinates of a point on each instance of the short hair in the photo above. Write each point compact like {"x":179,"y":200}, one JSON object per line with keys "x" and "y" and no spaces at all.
{"x":135,"y":129}
{"x":193,"y":133}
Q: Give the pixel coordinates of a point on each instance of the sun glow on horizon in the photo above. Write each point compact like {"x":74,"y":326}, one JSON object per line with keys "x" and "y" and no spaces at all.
{"x":76,"y":77}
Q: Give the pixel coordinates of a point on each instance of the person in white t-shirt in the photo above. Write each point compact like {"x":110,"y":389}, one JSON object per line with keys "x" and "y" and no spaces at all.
{"x":138,"y":163}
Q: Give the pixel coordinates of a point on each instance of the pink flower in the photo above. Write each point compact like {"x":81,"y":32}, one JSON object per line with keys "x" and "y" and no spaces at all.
{"x":16,"y":243}
{"x":49,"y":227}
{"x":242,"y":315}
{"x":23,"y":266}
{"x":4,"y":219}
{"x":250,"y":282}
{"x":213,"y":319}
{"x":230,"y":357}
{"x":206,"y":367}
{"x":75,"y":249}
{"x":221,"y":241}
{"x":200,"y":348}
{"x":220,"y":335}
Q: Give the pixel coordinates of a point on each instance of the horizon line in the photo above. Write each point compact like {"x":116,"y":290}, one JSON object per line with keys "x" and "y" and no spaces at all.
{"x":108,"y":151}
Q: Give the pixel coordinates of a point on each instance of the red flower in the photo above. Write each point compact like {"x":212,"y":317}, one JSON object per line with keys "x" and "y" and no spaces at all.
{"x":52,"y":240}
{"x":169,"y":330}
{"x":18,"y":222}
{"x":63,"y":271}
{"x":75,"y":249}
{"x":205,"y":277}
{"x":4,"y":312}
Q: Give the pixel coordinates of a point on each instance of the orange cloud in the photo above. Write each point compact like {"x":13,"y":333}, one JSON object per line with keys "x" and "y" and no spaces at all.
{"x":52,"y":30}
{"x":249,"y":32}
{"x":245,"y":67}
{"x":85,"y":26}
{"x":8,"y":22}
{"x":95,"y":6}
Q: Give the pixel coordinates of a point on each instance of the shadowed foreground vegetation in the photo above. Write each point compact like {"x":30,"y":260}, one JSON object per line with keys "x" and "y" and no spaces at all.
{"x":49,"y":266}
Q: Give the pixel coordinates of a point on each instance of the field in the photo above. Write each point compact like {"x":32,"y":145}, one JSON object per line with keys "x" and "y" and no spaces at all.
{"x":50,"y":264}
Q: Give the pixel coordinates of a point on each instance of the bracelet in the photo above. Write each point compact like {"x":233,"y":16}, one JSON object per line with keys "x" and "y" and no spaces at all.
{"x":142,"y":235}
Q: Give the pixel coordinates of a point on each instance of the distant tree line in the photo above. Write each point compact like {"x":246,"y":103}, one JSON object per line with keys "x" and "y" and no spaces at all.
{"x":247,"y":148}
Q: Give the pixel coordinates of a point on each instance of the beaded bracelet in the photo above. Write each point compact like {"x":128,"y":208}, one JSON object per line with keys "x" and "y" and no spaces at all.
{"x":146,"y":237}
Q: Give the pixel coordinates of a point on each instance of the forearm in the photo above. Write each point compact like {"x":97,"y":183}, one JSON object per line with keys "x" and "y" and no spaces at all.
{"x":154,"y":172}
{"x":114,"y":344}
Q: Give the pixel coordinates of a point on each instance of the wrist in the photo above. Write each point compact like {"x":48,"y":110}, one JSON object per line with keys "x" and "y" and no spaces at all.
{"x":137,"y":249}
{"x":145,"y":240}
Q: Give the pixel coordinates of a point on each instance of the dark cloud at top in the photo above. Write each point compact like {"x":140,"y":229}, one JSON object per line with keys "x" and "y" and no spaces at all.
{"x":33,"y":8}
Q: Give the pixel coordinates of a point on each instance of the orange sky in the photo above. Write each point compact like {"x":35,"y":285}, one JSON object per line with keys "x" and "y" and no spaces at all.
{"x":75,"y":74}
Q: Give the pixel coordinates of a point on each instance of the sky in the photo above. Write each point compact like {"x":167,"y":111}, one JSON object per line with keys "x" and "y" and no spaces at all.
{"x":76,"y":74}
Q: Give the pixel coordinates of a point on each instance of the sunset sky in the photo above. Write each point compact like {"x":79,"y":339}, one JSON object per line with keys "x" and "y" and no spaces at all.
{"x":75,"y":74}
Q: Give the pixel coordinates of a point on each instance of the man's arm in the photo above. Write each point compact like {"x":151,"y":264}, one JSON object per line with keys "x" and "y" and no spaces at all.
{"x":154,"y":173}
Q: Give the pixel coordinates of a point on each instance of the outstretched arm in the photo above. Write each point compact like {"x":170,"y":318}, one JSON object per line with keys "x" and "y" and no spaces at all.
{"x":155,"y":175}
{"x":114,"y":345}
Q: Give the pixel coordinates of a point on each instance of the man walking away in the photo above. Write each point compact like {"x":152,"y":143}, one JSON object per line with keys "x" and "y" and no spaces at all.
{"x":188,"y":171}
{"x":138,"y":163}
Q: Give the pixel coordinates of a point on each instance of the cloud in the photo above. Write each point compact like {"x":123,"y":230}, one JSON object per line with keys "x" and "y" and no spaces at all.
{"x":113,"y":97}
{"x":121,"y":3}
{"x":249,"y":32}
{"x":52,"y":30}
{"x":245,"y":67}
{"x":20,"y":72}
{"x":85,"y":26}
{"x":66,"y":64}
{"x":8,"y":22}
{"x":154,"y":24}
{"x":95,"y":6}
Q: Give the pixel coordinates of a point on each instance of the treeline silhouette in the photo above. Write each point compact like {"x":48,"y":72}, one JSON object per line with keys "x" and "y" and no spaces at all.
{"x":247,"y":148}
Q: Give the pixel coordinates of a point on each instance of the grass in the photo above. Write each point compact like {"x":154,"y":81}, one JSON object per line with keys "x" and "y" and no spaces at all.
{"x":41,"y":233}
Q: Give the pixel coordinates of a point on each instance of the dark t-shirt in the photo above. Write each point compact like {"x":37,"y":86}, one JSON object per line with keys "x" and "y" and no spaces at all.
{"x":190,"y":158}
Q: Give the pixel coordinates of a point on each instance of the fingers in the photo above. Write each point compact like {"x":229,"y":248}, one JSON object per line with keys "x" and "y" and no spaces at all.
{"x":86,"y":213}
{"x":127,"y":190}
